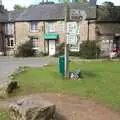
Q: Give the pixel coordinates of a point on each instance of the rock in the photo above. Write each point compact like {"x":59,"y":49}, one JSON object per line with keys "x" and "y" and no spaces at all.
{"x":7,"y":87}
{"x":28,"y":109}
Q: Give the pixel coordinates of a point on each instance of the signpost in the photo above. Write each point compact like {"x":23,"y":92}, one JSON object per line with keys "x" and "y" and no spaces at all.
{"x":72,"y":31}
{"x":77,"y":15}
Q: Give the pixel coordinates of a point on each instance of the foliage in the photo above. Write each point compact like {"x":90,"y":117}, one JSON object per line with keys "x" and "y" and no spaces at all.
{"x":60,"y":49}
{"x":89,"y":50}
{"x":19,"y":7}
{"x":77,"y":1}
{"x":108,"y":12}
{"x":25,"y":50}
{"x":4,"y":115}
{"x":75,"y":54}
{"x":80,"y":1}
{"x":100,"y":81}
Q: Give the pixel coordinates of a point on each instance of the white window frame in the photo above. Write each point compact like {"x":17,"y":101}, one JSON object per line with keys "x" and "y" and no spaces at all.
{"x":10,"y":42}
{"x":9,"y":28}
{"x":34,"y":41}
{"x":62,"y":27}
{"x":33,"y":26}
{"x":51,"y":26}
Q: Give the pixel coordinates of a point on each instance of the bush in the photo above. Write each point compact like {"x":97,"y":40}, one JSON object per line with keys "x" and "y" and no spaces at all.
{"x":60,"y":50}
{"x":89,"y":50}
{"x":74,"y":54}
{"x":25,"y":50}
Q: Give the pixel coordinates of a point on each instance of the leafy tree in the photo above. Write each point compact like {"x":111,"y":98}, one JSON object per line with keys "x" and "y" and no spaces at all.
{"x":25,"y":50}
{"x":89,"y":50}
{"x":108,"y":12}
{"x":78,"y":1}
{"x":19,"y":7}
{"x":108,"y":4}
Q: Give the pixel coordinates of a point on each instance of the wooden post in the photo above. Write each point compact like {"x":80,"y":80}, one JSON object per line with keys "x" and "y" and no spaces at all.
{"x":66,"y":44}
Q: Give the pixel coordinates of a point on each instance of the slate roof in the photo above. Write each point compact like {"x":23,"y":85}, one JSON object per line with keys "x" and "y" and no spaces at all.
{"x":12,"y":15}
{"x":3,"y":17}
{"x":3,"y":14}
{"x":53,"y":12}
{"x":113,"y":14}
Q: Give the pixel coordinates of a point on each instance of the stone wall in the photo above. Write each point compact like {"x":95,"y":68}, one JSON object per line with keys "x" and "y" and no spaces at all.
{"x":85,"y":33}
{"x":1,"y":38}
{"x":106,"y":34}
{"x":23,"y":31}
{"x":32,"y":109}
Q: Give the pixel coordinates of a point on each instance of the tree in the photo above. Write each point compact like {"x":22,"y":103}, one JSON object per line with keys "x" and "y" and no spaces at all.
{"x":19,"y":7}
{"x":80,"y":1}
{"x":89,"y":50}
{"x":108,"y":12}
{"x":108,"y":4}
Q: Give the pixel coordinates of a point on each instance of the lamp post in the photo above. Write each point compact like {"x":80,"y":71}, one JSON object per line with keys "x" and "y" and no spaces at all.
{"x":66,"y":44}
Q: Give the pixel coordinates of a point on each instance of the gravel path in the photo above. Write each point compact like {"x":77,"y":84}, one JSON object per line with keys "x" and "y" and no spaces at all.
{"x":8,"y":65}
{"x":72,"y":107}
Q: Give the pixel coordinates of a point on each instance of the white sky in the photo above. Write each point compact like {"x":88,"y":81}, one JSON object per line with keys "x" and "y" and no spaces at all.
{"x":10,"y":3}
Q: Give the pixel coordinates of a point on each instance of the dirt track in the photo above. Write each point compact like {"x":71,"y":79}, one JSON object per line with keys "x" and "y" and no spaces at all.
{"x":73,"y":108}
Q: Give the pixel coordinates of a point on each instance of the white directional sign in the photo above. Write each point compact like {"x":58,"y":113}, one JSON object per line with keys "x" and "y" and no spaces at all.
{"x":77,"y":15}
{"x":71,"y":39}
{"x":71,"y":33}
{"x":71,"y":27}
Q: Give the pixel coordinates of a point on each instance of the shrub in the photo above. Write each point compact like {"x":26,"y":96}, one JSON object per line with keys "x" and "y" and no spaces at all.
{"x":25,"y":50}
{"x":74,"y":54}
{"x":60,"y":49}
{"x":89,"y":50}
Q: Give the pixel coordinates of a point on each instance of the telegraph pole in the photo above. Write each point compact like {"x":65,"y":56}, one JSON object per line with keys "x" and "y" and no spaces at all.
{"x":66,"y":44}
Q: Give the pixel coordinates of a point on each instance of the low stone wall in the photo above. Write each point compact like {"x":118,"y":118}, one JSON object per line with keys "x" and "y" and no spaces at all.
{"x":28,"y":109}
{"x":7,"y":87}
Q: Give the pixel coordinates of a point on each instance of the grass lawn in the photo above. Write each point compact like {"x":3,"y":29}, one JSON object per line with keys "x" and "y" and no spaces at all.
{"x":4,"y":115}
{"x":101,"y":81}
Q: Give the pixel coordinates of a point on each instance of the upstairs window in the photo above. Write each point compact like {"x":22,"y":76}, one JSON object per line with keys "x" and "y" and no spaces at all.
{"x":62,"y":27}
{"x":33,"y":27}
{"x":9,"y":29}
{"x":51,"y":27}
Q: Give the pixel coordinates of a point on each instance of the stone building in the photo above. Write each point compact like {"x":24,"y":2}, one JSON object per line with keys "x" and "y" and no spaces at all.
{"x":44,"y":24}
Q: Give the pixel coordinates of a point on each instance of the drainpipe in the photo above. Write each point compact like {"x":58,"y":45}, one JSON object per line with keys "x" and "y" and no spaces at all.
{"x":3,"y":40}
{"x":14,"y":38}
{"x":88,"y":31}
{"x":44,"y":35}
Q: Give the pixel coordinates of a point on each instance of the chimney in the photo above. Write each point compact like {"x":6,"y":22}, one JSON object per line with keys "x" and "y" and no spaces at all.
{"x":0,"y":2}
{"x":93,"y":2}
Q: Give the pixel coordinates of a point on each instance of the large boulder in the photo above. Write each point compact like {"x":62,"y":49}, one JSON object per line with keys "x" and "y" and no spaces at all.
{"x":31,"y":109}
{"x":7,"y":87}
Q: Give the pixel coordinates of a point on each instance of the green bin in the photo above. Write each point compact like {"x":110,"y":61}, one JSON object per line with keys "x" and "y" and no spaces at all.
{"x":61,"y":64}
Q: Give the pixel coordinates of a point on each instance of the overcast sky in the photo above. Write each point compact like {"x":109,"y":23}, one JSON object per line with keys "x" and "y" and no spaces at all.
{"x":10,"y":3}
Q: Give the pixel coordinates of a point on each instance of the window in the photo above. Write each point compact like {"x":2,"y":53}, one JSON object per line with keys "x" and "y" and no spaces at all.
{"x":51,"y":27}
{"x":10,"y":42}
{"x":9,"y":29}
{"x":33,"y":26}
{"x":36,"y":43}
{"x":62,"y":27}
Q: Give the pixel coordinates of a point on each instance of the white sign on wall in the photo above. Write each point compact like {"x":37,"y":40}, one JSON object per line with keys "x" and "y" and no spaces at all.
{"x":71,"y":39}
{"x":71,"y":27}
{"x":71,"y":33}
{"x":77,"y":15}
